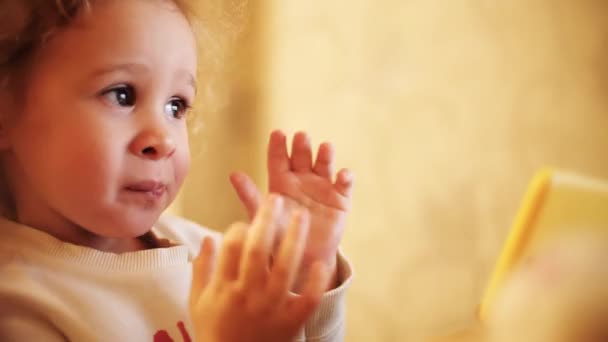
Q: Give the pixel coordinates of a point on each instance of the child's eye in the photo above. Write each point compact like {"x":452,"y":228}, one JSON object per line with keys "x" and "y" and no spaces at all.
{"x":123,"y":96}
{"x":176,"y":107}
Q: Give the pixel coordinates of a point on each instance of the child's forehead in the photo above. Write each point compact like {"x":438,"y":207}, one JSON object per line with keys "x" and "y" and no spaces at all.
{"x":127,"y":31}
{"x":130,"y":15}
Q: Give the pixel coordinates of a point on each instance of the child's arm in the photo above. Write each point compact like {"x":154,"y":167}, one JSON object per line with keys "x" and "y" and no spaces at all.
{"x":328,"y":323}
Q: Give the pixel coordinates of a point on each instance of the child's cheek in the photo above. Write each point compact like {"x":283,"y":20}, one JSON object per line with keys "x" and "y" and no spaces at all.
{"x":181,"y":165}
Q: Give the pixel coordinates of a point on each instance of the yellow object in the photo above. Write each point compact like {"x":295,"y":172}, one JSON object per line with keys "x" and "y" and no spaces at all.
{"x":556,"y":202}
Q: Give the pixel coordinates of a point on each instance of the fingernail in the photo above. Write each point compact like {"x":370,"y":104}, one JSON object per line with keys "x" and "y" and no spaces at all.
{"x":348,"y":177}
{"x":277,"y":133}
{"x":306,"y":139}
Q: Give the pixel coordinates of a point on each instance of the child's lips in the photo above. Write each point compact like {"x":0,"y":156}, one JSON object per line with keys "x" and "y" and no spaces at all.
{"x":149,"y":188}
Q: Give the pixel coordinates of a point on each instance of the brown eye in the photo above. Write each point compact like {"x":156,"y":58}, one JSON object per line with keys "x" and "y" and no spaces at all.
{"x":123,"y":96}
{"x":176,"y":108}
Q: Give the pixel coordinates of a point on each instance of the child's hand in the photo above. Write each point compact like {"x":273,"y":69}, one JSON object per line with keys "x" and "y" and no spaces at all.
{"x":307,"y":185}
{"x":241,"y":299}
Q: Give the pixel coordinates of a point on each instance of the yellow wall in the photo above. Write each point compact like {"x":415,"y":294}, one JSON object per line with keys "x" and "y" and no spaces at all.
{"x":443,"y":109}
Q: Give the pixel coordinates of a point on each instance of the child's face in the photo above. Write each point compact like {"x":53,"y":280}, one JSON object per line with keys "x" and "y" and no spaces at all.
{"x":100,"y":141}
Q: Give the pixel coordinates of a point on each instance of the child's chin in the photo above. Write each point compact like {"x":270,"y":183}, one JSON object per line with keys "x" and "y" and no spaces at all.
{"x":141,"y":226}
{"x":131,"y":225}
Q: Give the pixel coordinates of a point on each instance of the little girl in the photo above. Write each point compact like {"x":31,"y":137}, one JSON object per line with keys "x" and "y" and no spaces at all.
{"x":94,"y":147}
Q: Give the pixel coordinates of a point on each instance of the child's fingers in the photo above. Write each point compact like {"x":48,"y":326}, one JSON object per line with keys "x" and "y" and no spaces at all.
{"x":304,"y":305}
{"x":301,"y":154}
{"x":344,"y":182}
{"x":247,"y":191}
{"x":258,"y":246}
{"x":324,"y":162}
{"x":202,"y":268}
{"x":230,"y":254}
{"x":278,"y":159}
{"x":287,"y":262}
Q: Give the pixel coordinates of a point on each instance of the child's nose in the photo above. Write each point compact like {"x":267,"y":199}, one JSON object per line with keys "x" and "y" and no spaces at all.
{"x":153,"y":144}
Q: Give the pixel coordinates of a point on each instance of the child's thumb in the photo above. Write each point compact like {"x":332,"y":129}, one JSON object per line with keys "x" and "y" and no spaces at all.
{"x":202,"y":269}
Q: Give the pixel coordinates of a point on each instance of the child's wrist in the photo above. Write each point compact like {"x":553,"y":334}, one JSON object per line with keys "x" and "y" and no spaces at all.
{"x":331,"y":267}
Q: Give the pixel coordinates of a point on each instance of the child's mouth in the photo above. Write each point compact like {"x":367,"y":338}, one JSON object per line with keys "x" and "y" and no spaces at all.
{"x":148,"y":188}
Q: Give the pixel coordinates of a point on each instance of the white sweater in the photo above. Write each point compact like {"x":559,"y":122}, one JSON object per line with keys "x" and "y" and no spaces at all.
{"x":55,"y":291}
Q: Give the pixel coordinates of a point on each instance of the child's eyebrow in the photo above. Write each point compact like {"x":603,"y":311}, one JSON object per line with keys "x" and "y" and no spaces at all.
{"x":128,"y":67}
{"x":137,"y":68}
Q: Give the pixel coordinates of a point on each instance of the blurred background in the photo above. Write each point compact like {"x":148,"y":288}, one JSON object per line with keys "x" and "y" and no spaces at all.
{"x":443,"y":109}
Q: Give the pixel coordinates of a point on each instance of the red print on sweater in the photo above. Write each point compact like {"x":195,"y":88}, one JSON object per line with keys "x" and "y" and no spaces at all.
{"x":163,"y":335}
